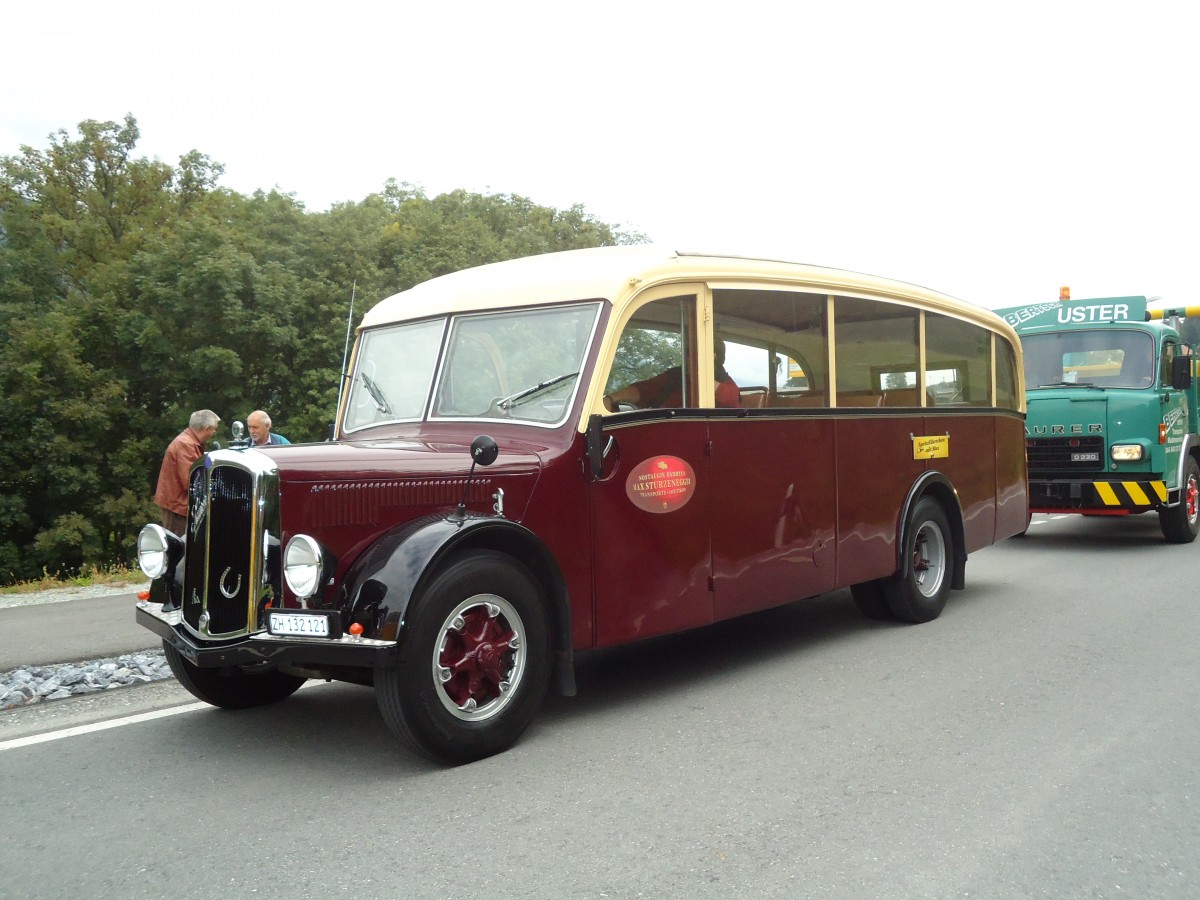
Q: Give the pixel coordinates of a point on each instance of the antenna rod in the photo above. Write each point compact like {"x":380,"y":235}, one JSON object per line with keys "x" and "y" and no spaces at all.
{"x":346,"y":349}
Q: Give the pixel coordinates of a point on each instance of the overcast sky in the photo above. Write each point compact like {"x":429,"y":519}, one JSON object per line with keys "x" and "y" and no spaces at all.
{"x":994,"y":151}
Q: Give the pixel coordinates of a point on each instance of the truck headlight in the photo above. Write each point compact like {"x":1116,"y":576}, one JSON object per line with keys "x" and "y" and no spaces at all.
{"x":304,"y":565}
{"x":158,"y":551}
{"x":1127,"y":452}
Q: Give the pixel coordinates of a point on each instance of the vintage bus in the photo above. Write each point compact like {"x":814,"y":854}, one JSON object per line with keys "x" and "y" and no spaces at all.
{"x":573,"y":451}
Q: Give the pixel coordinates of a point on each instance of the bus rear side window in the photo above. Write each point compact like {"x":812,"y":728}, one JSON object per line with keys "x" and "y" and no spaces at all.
{"x":958,"y":360}
{"x":876,"y":347}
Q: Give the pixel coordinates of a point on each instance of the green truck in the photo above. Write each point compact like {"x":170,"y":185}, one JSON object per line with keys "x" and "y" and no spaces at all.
{"x":1111,"y":427}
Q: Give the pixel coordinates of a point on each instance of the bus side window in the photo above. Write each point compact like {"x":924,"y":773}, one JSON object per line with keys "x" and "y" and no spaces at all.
{"x":1007,"y":396}
{"x":776,"y":347}
{"x":654,"y":365}
{"x":958,"y":361}
{"x":876,"y":349}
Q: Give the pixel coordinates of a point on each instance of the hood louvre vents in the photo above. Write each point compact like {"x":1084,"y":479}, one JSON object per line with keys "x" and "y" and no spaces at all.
{"x":356,"y":503}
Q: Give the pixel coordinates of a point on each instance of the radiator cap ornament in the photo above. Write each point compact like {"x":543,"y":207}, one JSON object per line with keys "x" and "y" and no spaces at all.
{"x":241,"y":440}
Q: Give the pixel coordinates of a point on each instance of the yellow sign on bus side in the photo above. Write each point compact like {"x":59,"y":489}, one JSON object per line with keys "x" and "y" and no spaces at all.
{"x":935,"y":446}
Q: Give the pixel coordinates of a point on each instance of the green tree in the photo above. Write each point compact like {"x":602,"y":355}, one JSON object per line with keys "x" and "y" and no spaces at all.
{"x":135,"y":292}
{"x":73,"y":217}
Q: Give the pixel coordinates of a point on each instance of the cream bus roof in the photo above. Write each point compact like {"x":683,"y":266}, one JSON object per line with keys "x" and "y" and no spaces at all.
{"x":617,"y":273}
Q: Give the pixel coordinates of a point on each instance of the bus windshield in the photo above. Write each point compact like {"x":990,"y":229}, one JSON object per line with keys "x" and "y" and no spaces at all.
{"x":520,"y":365}
{"x":1110,"y":358}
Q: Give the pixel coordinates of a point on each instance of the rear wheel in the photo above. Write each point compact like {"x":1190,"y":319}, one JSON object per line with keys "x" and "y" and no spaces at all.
{"x":1181,"y":523}
{"x":231,"y":687}
{"x":919,"y":593}
{"x":475,"y":663}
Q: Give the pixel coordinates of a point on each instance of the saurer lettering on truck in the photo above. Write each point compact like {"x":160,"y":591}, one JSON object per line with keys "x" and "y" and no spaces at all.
{"x":1074,"y":428}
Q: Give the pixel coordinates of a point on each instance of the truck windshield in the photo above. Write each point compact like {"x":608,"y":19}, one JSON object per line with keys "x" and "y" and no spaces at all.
{"x":1106,"y":358}
{"x":521,"y":365}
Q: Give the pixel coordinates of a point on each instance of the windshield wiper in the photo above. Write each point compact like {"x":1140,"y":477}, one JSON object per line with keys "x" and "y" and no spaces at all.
{"x":511,"y":400}
{"x":1086,"y":384}
{"x":376,"y":394}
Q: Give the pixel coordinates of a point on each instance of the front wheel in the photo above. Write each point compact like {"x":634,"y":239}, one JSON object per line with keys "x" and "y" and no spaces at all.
{"x":919,"y":593}
{"x":475,"y":663}
{"x":231,"y":688}
{"x":1181,"y":523}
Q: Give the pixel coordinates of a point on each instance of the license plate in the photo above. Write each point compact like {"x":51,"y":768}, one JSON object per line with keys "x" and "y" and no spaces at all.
{"x":297,"y":624}
{"x":1085,"y":457}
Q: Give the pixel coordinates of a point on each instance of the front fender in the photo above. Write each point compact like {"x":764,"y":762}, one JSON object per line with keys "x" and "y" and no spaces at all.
{"x":382,"y":583}
{"x":380,"y":586}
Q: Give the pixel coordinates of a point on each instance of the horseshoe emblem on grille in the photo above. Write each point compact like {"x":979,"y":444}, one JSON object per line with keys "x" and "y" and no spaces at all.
{"x":236,"y":588}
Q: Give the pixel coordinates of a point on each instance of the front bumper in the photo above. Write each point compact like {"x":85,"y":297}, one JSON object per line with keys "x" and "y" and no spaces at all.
{"x":261,"y":647}
{"x":1100,"y":497}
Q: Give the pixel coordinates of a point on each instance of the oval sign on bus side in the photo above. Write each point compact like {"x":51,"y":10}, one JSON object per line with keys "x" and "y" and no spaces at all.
{"x":661,"y":484}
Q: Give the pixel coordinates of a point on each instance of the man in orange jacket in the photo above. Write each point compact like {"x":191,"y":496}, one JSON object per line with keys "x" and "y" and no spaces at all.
{"x":188,"y":446}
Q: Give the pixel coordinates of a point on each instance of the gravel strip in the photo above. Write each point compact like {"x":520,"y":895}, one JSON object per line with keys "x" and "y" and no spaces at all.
{"x":36,"y":684}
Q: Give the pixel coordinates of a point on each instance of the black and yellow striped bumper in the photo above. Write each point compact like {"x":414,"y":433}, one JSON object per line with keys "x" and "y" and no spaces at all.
{"x":1125,"y":494}
{"x":1098,"y":496}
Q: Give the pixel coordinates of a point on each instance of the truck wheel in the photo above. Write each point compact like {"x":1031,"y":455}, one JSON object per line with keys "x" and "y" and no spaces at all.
{"x":1181,"y":523}
{"x":230,"y":687}
{"x":475,"y":663}
{"x":919,"y":595}
{"x":870,"y":599}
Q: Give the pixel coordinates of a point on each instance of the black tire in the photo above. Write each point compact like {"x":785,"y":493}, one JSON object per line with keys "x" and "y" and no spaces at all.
{"x":1181,"y":523}
{"x":457,"y":711}
{"x":919,"y":595}
{"x":230,"y":687}
{"x":871,"y":600}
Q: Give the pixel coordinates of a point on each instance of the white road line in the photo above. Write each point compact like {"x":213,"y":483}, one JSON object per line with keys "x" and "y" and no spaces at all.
{"x":98,"y":726}
{"x":1050,"y":518}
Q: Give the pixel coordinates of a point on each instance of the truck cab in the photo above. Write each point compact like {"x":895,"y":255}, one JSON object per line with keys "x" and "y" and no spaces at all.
{"x":1111,"y":427}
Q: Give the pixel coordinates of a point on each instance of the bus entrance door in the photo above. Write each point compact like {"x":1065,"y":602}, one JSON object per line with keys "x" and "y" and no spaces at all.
{"x":650,"y":528}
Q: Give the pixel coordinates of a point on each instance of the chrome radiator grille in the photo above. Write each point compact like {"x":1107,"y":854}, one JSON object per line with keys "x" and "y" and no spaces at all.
{"x":223,"y":568}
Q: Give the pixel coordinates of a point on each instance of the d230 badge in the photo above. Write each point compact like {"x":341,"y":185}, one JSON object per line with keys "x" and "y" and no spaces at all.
{"x":661,"y":484}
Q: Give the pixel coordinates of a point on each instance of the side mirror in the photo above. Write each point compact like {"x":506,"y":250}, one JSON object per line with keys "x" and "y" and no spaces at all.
{"x":1181,"y":373}
{"x":484,"y":450}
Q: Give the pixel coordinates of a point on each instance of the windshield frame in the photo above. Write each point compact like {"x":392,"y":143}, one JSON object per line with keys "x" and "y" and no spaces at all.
{"x":451,"y":326}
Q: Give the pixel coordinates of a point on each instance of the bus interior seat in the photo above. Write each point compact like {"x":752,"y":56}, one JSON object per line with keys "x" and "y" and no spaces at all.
{"x":754,"y":397}
{"x":906,"y":397}
{"x":802,"y":400}
{"x":864,"y":399}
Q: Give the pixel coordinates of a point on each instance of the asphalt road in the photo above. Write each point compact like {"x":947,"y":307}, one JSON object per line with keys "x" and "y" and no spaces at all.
{"x":71,"y":630}
{"x":1038,"y":740}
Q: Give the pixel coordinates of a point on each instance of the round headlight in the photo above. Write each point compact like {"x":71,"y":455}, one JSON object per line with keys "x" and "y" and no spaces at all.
{"x":152,"y":551}
{"x":303,"y":563}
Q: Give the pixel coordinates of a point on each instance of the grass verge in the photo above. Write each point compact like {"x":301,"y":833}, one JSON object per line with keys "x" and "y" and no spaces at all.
{"x":87,"y":577}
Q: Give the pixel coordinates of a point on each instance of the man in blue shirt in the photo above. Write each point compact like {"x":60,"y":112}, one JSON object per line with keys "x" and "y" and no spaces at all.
{"x":259,"y":424}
